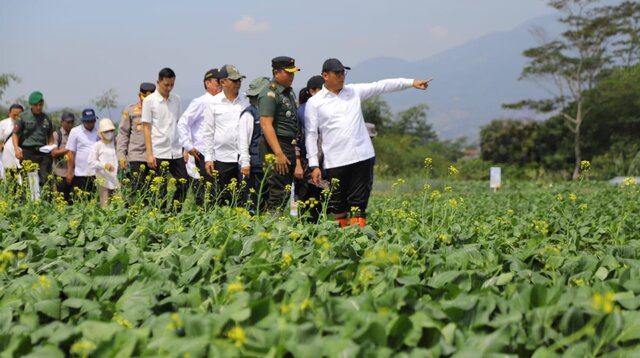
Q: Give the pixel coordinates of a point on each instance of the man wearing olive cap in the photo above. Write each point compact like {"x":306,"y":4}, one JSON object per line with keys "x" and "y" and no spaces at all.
{"x":279,"y":124}
{"x":32,"y":131}
{"x":130,"y":148}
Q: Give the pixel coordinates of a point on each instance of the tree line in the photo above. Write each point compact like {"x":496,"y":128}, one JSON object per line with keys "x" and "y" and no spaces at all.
{"x":592,"y":71}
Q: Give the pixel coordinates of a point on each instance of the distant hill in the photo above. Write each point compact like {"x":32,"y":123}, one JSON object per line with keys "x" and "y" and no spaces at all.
{"x":471,"y":81}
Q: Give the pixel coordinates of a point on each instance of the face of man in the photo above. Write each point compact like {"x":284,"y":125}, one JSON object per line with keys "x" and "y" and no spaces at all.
{"x":283,"y":77}
{"x":334,"y":80}
{"x":89,"y":124}
{"x":213,"y":86}
{"x":165,"y":86}
{"x":37,"y":108}
{"x":15,"y":113}
{"x":67,"y":125}
{"x":231,"y":87}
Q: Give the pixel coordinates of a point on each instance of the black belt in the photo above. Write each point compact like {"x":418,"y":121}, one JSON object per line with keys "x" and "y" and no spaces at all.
{"x":31,"y":148}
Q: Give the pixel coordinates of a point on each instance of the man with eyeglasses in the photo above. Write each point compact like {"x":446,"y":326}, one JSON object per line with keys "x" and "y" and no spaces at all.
{"x":190,"y":131}
{"x":220,"y":133}
{"x":130,"y":148}
{"x":335,"y":113}
{"x":279,"y":124}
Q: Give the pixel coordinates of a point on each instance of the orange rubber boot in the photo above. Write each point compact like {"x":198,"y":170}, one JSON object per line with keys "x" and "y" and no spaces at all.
{"x":362,"y":222}
{"x":342,"y":222}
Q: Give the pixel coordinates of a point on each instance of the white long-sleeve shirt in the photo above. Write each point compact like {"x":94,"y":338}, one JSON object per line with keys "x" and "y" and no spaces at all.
{"x":163,"y":114}
{"x":190,"y":123}
{"x":102,"y":154}
{"x":220,"y":128}
{"x":338,"y":119}
{"x":245,"y":132}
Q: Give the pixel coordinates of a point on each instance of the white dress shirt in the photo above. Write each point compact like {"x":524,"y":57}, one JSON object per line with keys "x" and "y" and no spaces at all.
{"x":80,"y":142}
{"x":338,"y":119}
{"x":245,"y":132}
{"x":102,"y":154}
{"x":220,"y":128}
{"x":190,"y":124}
{"x":8,"y":153}
{"x":163,"y":114}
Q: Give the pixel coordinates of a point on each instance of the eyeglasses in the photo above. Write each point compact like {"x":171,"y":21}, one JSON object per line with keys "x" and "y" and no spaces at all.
{"x":236,"y":81}
{"x":342,"y":73}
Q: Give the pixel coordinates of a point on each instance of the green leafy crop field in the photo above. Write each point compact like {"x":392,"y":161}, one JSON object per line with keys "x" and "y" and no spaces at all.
{"x":450,"y":270}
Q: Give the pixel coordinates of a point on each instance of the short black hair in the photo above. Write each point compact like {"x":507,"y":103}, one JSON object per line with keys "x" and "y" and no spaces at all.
{"x":16,"y":106}
{"x":166,"y":73}
{"x":304,"y":95}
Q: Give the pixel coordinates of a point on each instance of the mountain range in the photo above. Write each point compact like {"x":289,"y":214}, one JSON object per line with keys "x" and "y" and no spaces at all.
{"x":470,"y":82}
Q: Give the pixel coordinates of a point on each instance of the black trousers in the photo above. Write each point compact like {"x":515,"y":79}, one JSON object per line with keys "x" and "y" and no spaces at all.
{"x":199,"y":187}
{"x":178,"y":170}
{"x":64,"y":188}
{"x":44,"y":160}
{"x":85,"y":184}
{"x":255,"y":192}
{"x":278,"y":196}
{"x":138,"y":172}
{"x":310,"y":195}
{"x":353,"y":189}
{"x":224,"y":192}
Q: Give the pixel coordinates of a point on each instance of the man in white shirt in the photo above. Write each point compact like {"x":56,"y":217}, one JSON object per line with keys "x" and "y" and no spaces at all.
{"x":7,"y":153}
{"x":335,"y":113}
{"x":160,"y":114}
{"x":190,"y":130}
{"x":81,"y":139}
{"x":220,"y":133}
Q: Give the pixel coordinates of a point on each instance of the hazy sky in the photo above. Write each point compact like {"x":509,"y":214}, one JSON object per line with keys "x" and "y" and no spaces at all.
{"x":74,"y":50}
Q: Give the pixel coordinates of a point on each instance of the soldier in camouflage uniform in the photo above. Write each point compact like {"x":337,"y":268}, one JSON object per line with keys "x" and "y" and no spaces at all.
{"x":279,"y":124}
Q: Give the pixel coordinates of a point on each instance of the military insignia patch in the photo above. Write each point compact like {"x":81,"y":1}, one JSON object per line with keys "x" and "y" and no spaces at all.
{"x":271,"y":94}
{"x":273,"y":86}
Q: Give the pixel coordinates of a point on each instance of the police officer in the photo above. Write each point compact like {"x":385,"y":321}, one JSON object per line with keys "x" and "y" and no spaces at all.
{"x":130,"y":149}
{"x":279,"y":124}
{"x":33,"y":130}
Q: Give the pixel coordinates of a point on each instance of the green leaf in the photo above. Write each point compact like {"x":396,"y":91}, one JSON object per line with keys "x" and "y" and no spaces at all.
{"x":445,"y":278}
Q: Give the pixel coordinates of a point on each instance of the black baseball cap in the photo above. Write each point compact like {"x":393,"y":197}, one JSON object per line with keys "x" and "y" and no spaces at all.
{"x":89,"y":115}
{"x":333,"y":65}
{"x":315,"y":82}
{"x":212,"y":73}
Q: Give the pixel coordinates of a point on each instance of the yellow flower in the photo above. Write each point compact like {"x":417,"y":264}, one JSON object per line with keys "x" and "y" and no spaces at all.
{"x":453,"y":170}
{"x":287,"y":260}
{"x":453,"y":202}
{"x":122,"y":321}
{"x":235,"y":287}
{"x":435,"y":195}
{"x":585,"y":165}
{"x":583,"y":206}
{"x":428,"y":162}
{"x":164,"y":164}
{"x":573,"y":197}
{"x":83,"y":348}
{"x":307,"y":303}
{"x":604,"y":303}
{"x":444,"y":238}
{"x":265,"y":235}
{"x":237,"y":335}
{"x":560,"y":197}
{"x":286,"y":308}
{"x":630,"y":181}
{"x":270,"y":159}
{"x":44,"y":281}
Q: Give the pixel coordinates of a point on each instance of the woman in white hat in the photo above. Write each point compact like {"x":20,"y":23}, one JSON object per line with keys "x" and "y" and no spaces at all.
{"x":104,"y":162}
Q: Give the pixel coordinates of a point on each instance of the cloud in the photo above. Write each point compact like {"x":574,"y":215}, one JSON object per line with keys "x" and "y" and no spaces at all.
{"x":439,"y":33}
{"x":249,"y":25}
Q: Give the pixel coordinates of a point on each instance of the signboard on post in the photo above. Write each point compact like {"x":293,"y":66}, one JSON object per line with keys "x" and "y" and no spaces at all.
{"x":495,"y":178}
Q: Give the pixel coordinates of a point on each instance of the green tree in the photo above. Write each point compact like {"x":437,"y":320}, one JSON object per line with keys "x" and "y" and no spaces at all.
{"x":107,"y":100}
{"x":571,"y":64}
{"x":413,"y":122}
{"x":625,"y":18}
{"x":376,"y":110}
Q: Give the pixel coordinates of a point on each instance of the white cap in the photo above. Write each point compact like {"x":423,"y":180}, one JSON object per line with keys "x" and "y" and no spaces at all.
{"x":106,"y":125}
